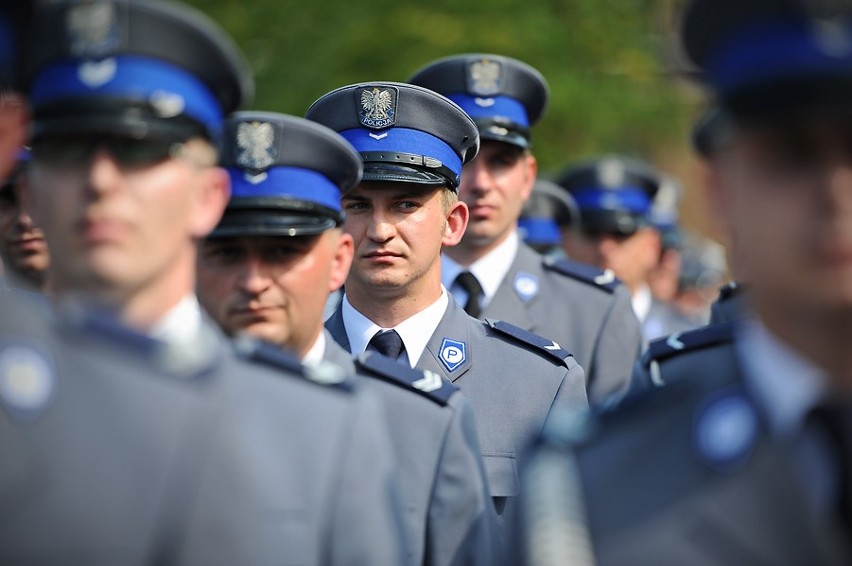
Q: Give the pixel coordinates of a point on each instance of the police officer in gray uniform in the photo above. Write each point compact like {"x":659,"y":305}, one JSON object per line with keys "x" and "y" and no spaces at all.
{"x":265,"y":271}
{"x":580,"y":307}
{"x":616,"y":195}
{"x":742,"y":458}
{"x":413,"y":143}
{"x":132,"y":432}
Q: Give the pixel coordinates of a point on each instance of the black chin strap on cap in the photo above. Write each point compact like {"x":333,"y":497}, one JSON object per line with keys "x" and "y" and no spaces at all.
{"x":383,"y":165}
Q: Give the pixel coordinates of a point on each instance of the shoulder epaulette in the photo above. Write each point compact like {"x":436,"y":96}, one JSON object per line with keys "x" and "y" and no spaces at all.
{"x":548,"y":348}
{"x":427,"y":383}
{"x":690,"y":341}
{"x":270,"y":355}
{"x":589,"y":274}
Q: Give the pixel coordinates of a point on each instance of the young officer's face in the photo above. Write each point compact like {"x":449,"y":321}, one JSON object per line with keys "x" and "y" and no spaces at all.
{"x":495,"y":186}
{"x":399,"y":230}
{"x":122,"y":216}
{"x":273,"y":287}
{"x":787,"y":193}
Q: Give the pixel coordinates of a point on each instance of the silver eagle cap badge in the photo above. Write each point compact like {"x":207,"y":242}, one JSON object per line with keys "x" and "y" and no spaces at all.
{"x":256,"y":144}
{"x":484,"y":77}
{"x":378,"y":107}
{"x":92,"y":28}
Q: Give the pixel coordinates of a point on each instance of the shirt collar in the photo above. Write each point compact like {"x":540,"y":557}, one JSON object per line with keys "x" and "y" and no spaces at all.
{"x":490,"y":269}
{"x":415,"y":331}
{"x":315,"y":355}
{"x":641,"y":302}
{"x":181,"y":325}
{"x":785,"y":384}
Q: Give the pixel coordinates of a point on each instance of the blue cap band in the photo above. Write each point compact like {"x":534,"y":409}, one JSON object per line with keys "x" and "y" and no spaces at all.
{"x":287,"y":182}
{"x":404,"y":140}
{"x":492,"y":107}
{"x":775,"y":51}
{"x":539,"y":230}
{"x":132,"y":77}
{"x":631,"y":199}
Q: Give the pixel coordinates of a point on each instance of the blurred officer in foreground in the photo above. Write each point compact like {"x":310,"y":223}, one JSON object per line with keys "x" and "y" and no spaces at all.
{"x":23,"y":248}
{"x":743,"y":457}
{"x":492,"y":273}
{"x":543,"y":216}
{"x":616,"y":195}
{"x":200,"y":457}
{"x":266,"y":271}
{"x":413,"y":143}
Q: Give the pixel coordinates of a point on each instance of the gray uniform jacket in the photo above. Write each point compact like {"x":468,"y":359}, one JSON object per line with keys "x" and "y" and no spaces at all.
{"x":116,"y":453}
{"x":511,"y":382}
{"x":685,"y":474}
{"x":449,"y":517}
{"x":561,"y":300}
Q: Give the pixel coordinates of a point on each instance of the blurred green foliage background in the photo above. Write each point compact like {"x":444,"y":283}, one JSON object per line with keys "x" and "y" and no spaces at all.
{"x":609,"y":64}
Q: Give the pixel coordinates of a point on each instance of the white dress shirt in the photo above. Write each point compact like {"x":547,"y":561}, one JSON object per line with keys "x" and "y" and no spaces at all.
{"x":180,"y":326}
{"x":314,"y":357}
{"x":414,"y":331}
{"x":490,"y":270}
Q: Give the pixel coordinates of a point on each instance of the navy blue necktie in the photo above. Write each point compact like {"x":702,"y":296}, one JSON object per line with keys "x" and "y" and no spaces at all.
{"x":388,"y":343}
{"x":468,"y":281}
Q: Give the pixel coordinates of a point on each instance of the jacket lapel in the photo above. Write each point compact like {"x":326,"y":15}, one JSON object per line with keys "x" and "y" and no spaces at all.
{"x":334,"y":325}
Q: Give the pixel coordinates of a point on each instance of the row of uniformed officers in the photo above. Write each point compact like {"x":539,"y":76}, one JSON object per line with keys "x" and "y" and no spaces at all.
{"x":179,"y":398}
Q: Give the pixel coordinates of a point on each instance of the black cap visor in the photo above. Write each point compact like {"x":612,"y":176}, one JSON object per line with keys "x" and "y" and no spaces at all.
{"x":503,"y":131}
{"x":620,"y":223}
{"x":115,"y":118}
{"x":274,"y":216}
{"x":394,"y":172}
{"x":780,"y":101}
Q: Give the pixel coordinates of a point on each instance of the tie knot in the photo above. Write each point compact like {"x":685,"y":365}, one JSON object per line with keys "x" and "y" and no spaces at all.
{"x":468,"y":281}
{"x":388,"y":343}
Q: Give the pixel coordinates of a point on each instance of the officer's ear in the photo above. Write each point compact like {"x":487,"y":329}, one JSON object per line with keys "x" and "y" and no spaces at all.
{"x":14,"y":120}
{"x":214,"y":190}
{"x":457,"y":215}
{"x":716,"y":189}
{"x":530,"y":164}
{"x":343,"y":252}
